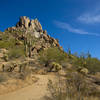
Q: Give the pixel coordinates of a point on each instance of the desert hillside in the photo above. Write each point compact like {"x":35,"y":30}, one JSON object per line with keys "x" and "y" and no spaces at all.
{"x":33,"y":66}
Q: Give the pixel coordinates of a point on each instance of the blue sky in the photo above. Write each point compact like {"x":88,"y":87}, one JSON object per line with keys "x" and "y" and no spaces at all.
{"x":76,"y":23}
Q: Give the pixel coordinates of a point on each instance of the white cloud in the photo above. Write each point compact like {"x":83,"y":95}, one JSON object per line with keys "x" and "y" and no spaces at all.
{"x":89,"y":18}
{"x":69,"y":28}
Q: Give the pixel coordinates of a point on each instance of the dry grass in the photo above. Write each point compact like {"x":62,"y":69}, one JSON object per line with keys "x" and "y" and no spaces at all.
{"x":73,"y":88}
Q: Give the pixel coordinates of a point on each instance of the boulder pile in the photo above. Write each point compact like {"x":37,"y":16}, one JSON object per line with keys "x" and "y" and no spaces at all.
{"x":34,"y":28}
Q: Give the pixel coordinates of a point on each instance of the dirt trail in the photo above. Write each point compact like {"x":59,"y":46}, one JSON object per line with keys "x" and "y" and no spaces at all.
{"x":33,"y":92}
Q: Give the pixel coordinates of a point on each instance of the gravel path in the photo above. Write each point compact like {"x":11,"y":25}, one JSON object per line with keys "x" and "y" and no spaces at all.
{"x":34,"y":92}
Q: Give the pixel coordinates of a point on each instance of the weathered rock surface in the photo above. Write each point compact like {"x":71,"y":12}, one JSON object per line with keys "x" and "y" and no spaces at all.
{"x":23,"y":22}
{"x":34,"y":28}
{"x":26,"y":24}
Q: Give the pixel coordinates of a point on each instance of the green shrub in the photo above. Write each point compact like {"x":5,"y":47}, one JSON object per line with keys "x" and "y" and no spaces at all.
{"x":3,"y":78}
{"x":5,"y":57}
{"x":16,"y":52}
{"x":52,"y":55}
{"x":7,"y":44}
{"x":92,"y":64}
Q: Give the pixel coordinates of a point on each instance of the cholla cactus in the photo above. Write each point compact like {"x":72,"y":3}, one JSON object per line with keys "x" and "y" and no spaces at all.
{"x":84,"y":71}
{"x":55,"y":67}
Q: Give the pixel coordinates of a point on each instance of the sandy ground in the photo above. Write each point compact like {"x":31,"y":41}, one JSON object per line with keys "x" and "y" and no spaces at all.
{"x":34,"y":92}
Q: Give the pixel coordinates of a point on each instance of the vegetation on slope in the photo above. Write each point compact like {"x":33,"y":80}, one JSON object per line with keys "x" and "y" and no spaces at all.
{"x":53,"y":57}
{"x":78,"y":62}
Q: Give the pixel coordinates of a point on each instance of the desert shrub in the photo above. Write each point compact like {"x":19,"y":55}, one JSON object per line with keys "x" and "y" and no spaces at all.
{"x":57,"y":90}
{"x":7,"y":43}
{"x":5,"y":36}
{"x":25,"y":74}
{"x":5,"y":57}
{"x":92,"y":64}
{"x":74,"y":87}
{"x":77,"y":87}
{"x":3,"y":78}
{"x":24,"y":71}
{"x":52,"y":55}
{"x":16,"y":52}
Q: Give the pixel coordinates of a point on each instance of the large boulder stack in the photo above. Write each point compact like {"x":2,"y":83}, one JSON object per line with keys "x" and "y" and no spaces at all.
{"x":27,"y":24}
{"x":34,"y":28}
{"x":23,"y":22}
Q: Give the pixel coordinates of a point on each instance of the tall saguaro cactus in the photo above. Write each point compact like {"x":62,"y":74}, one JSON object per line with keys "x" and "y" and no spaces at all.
{"x":30,"y":43}
{"x":26,"y":46}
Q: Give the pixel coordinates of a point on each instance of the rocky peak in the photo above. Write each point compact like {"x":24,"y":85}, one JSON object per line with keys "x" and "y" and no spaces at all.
{"x":23,"y":22}
{"x":27,"y":24}
{"x":34,"y":27}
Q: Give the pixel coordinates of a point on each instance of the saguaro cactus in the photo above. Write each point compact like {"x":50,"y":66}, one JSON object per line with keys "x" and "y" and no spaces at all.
{"x":30,"y":43}
{"x":26,"y":46}
{"x":3,"y":66}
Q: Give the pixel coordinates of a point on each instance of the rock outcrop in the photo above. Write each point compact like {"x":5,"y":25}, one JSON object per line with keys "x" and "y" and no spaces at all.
{"x":34,"y":28}
{"x":23,"y":22}
{"x":26,"y":24}
{"x":29,"y":26}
